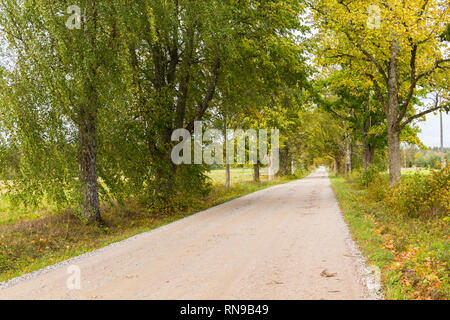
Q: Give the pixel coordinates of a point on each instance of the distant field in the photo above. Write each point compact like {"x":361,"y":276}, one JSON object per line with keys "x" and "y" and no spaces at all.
{"x":418,"y":170}
{"x":10,"y":215}
{"x":238,"y":175}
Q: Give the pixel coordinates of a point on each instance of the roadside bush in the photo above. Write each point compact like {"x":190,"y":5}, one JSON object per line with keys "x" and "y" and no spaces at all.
{"x":421,"y":196}
{"x":378,"y":188}
{"x":353,"y":176}
{"x":368,"y":176}
{"x":300,"y":173}
{"x":408,"y":197}
{"x":438,"y":201}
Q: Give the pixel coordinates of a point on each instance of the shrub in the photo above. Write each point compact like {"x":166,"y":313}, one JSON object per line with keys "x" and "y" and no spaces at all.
{"x":420,"y":196}
{"x":353,"y":175}
{"x":408,"y":197}
{"x":369,"y":176}
{"x":300,"y":173}
{"x":438,"y":201}
{"x":378,"y":188}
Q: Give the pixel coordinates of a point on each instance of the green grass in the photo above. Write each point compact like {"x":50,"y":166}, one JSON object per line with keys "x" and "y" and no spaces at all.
{"x":351,"y":201}
{"x":412,"y":254}
{"x":11,"y":215}
{"x":30,"y":241}
{"x":414,"y":171}
{"x":238,"y":175}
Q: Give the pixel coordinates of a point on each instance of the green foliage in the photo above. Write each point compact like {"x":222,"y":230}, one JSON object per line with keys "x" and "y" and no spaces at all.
{"x":115,"y":90}
{"x":378,"y":188}
{"x":301,"y":173}
{"x":418,"y":195}
{"x":369,"y":176}
{"x":412,"y":254}
{"x":422,"y":195}
{"x":407,"y":198}
{"x":438,"y":201}
{"x":445,"y":36}
{"x":59,"y":83}
{"x":429,"y":158}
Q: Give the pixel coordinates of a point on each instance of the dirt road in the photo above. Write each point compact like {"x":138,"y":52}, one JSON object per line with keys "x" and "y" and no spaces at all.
{"x":273,"y":244}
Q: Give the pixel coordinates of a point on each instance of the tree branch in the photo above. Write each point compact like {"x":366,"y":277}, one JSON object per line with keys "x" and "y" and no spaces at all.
{"x":413,"y":82}
{"x":377,"y":91}
{"x":421,"y":114}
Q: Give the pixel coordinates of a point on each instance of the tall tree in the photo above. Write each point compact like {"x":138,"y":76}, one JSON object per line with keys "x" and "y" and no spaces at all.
{"x":395,"y":45}
{"x":181,"y":55}
{"x":59,"y":85}
{"x":355,"y":103}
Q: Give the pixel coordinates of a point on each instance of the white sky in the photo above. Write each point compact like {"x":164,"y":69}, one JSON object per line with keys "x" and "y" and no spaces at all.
{"x":430,"y":135}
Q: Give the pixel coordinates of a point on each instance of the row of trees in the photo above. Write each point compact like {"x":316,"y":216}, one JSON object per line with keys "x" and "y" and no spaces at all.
{"x":379,"y":59}
{"x":412,"y":157}
{"x":90,"y":94}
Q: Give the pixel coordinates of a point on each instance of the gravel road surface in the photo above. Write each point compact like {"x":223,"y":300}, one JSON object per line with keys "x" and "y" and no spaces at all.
{"x":285,"y":242}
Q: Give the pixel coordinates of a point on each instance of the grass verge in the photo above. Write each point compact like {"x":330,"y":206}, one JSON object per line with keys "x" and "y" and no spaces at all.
{"x":36,"y":240}
{"x":412,"y":253}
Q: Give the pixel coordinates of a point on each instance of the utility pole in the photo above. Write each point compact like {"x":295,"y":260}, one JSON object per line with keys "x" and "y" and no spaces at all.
{"x":442,"y":141}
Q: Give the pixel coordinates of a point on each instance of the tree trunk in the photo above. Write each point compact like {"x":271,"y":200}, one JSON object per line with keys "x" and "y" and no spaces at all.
{"x":87,"y":133}
{"x":271,"y":171}
{"x":369,"y":153}
{"x":338,"y":165}
{"x":225,"y":150}
{"x":394,"y":154}
{"x":166,"y":171}
{"x":348,"y":157}
{"x":443,"y":160}
{"x":227,"y":176}
{"x":87,"y":130}
{"x":256,"y":172}
{"x":284,"y":160}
